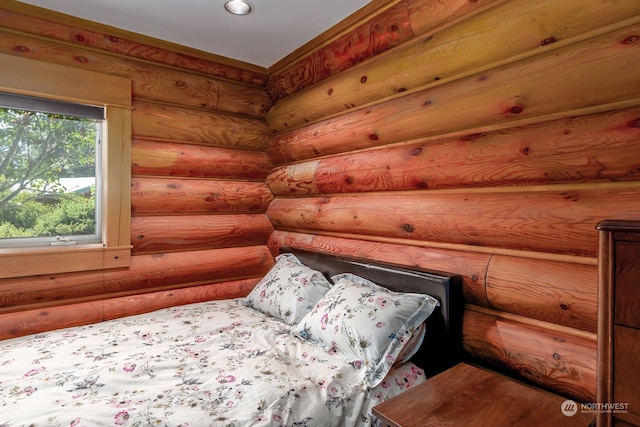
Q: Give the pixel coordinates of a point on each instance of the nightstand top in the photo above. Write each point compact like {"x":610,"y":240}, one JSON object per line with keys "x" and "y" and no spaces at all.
{"x":467,"y":395}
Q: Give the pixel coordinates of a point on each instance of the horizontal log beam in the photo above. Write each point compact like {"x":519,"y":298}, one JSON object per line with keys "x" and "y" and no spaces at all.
{"x":149,"y":81}
{"x":188,"y":160}
{"x":164,"y":122}
{"x":594,"y":148}
{"x":27,"y":322}
{"x":470,"y":266}
{"x":147,"y":273}
{"x":472,"y":45}
{"x":459,"y":247}
{"x":551,"y":357}
{"x":160,"y":196}
{"x":554,"y":219}
{"x":143,"y":303}
{"x":63,"y":316}
{"x":431,"y":16}
{"x":195,"y":232}
{"x":519,"y":93}
{"x":555,"y":292}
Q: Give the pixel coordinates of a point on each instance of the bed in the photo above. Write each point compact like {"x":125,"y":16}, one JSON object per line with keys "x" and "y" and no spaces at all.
{"x":317,"y":342}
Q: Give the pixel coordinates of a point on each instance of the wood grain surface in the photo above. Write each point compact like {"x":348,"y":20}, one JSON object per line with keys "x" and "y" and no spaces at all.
{"x":156,"y":158}
{"x":602,"y":147}
{"x":170,"y":233}
{"x":461,"y":48}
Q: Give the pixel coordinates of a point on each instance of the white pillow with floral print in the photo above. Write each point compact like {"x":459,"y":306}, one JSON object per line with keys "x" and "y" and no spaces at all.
{"x":366,"y":323}
{"x":288,"y":291}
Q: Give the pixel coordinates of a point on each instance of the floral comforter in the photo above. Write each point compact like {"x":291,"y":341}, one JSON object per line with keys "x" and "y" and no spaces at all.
{"x":217,"y":363}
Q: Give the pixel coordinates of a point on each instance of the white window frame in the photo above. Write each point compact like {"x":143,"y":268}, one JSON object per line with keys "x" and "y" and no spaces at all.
{"x":45,"y":80}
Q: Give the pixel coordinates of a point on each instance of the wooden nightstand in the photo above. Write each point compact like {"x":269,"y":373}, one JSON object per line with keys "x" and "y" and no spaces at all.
{"x":466,"y":395}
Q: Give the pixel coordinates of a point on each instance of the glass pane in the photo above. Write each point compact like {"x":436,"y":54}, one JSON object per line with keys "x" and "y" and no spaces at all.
{"x":47,"y":175}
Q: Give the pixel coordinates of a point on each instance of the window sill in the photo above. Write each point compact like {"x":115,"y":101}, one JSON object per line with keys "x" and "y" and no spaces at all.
{"x":49,"y":260}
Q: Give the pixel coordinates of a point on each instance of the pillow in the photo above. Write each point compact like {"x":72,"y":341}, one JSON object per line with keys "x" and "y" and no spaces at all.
{"x":412,"y":346}
{"x":368,"y":324}
{"x":288,"y":291}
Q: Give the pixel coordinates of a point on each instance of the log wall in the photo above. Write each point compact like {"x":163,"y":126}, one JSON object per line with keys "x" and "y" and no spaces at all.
{"x":484,"y":138}
{"x":199,"y":226}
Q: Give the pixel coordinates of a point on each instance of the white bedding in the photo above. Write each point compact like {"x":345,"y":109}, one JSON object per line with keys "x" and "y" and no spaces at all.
{"x":217,"y":363}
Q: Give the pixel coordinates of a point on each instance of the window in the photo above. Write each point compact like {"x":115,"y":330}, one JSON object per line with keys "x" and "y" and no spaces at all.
{"x":65,"y":163}
{"x":49,"y":172}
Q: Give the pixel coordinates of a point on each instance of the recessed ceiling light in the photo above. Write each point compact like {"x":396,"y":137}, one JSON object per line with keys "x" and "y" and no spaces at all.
{"x":238,"y":7}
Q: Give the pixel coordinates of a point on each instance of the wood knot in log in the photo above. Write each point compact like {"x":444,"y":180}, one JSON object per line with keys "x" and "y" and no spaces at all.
{"x":634,"y":123}
{"x":570,"y":197}
{"x":472,"y":136}
{"x":516,"y":109}
{"x":548,"y":40}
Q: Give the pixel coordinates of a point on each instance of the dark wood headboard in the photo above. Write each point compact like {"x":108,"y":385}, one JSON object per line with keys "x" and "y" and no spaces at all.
{"x":442,"y":347}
